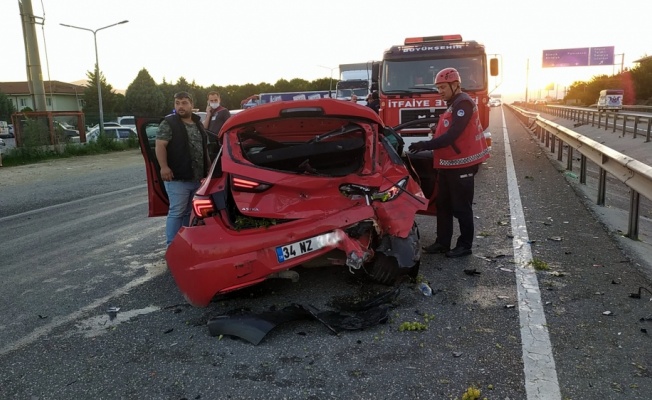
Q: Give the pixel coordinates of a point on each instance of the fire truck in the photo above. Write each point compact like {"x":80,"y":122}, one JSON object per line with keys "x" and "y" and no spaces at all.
{"x":405,"y":79}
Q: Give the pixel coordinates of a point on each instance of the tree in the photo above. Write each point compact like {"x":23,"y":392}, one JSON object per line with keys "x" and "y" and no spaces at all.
{"x":92,"y":107}
{"x":641,"y":75}
{"x":6,"y":107}
{"x":143,"y":96}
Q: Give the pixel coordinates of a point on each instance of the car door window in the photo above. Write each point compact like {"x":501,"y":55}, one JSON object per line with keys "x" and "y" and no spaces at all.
{"x":124,"y":133}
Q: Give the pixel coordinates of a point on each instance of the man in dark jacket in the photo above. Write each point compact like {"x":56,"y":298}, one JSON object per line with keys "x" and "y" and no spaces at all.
{"x":459,"y":149}
{"x":182,"y":152}
{"x":374,"y":102}
{"x":216,"y":116}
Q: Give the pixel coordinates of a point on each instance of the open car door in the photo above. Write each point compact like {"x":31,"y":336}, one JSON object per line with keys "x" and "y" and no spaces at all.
{"x":156,"y":194}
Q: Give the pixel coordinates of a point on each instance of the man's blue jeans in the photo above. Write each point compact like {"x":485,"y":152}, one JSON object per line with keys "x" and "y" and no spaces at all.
{"x":180,"y":194}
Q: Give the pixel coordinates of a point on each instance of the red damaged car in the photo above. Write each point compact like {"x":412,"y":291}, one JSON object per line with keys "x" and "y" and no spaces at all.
{"x":314,"y":182}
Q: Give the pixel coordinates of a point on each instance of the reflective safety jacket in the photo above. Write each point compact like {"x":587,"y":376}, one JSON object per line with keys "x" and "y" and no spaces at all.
{"x":470,"y":148}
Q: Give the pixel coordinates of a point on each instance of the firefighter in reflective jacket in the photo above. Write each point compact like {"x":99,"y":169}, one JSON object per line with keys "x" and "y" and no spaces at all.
{"x":459,"y":148}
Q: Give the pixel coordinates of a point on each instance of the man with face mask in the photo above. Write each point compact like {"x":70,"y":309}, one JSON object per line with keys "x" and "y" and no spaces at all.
{"x":216,"y":116}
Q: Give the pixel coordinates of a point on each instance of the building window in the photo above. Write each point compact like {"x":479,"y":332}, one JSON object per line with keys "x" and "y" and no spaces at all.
{"x":82,"y":103}
{"x":23,"y":103}
{"x":49,"y":101}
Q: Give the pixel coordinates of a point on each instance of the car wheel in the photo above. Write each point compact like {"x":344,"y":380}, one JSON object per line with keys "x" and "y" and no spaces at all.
{"x":384,"y":269}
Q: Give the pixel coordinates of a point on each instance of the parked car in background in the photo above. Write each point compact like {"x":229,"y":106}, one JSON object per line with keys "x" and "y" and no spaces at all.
{"x":106,"y":124}
{"x":202,"y":115}
{"x":495,"y":103}
{"x":120,"y":133}
{"x":151,"y":131}
{"x":66,"y":132}
{"x":306,"y":182}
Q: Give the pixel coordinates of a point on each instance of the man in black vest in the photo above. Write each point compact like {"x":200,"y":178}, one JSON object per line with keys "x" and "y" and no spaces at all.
{"x":182,"y":153}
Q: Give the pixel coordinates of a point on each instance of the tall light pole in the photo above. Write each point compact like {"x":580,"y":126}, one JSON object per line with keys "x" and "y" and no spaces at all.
{"x":330,"y":85}
{"x":97,"y":65}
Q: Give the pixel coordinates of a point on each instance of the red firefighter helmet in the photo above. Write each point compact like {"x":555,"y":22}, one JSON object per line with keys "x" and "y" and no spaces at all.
{"x":448,"y":75}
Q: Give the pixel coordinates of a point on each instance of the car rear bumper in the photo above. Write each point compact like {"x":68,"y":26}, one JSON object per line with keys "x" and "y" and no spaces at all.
{"x":208,"y":260}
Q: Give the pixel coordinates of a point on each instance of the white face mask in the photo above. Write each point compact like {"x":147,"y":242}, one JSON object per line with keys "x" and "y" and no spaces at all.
{"x":214,"y":105}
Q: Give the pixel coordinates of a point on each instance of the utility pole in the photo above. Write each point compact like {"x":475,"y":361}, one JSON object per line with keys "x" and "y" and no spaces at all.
{"x":527,"y":77}
{"x":32,"y":59}
{"x":622,"y":63}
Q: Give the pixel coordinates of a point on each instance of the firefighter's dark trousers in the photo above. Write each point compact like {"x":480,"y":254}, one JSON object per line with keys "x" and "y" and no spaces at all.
{"x":455,"y":199}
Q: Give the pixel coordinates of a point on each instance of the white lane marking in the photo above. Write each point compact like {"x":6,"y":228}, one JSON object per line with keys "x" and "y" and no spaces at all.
{"x":85,"y":199}
{"x":153,"y":270}
{"x":100,"y":324}
{"x":538,"y":361}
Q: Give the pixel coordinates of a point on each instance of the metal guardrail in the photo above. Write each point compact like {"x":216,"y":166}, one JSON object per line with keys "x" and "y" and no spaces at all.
{"x":604,"y":119}
{"x":633,"y":173}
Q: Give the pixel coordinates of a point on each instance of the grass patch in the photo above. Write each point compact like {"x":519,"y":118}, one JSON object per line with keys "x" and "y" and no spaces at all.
{"x":539,"y":265}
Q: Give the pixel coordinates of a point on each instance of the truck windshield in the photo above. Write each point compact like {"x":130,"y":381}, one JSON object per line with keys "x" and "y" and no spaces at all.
{"x":414,"y":75}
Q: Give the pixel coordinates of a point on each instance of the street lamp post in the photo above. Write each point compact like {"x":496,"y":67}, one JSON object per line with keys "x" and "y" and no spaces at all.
{"x":330,"y":85}
{"x":97,"y":66}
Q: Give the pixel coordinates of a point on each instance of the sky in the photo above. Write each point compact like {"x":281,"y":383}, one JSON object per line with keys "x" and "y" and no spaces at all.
{"x":253,"y":41}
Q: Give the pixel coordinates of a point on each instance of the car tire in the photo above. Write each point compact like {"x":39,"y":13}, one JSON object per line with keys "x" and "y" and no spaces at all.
{"x":385,"y":270}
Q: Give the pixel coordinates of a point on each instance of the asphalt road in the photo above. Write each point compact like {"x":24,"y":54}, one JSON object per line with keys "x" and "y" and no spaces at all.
{"x":81,"y":244}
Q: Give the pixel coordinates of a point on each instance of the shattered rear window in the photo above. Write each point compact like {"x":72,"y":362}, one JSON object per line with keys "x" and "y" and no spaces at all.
{"x":307,"y":146}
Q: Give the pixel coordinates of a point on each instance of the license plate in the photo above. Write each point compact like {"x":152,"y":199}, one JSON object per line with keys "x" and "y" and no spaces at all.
{"x":296,"y":249}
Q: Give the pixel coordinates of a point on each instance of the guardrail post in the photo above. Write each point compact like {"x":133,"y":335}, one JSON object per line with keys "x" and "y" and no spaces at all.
{"x":560,"y":153}
{"x":649,"y":125}
{"x":606,"y":120}
{"x":632,"y":226}
{"x":592,"y":118}
{"x":582,"y":169}
{"x":625,"y":125}
{"x":636,"y":125}
{"x":569,"y":159}
{"x":552,"y":140}
{"x":602,"y":186}
{"x":615,"y":121}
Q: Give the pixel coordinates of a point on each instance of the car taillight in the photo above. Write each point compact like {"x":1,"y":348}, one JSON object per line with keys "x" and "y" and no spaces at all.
{"x":202,"y":206}
{"x":248,"y":185}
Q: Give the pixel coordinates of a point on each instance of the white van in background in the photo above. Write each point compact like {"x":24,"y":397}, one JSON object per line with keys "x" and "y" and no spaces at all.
{"x":610,"y":99}
{"x":4,"y":130}
{"x":128,"y":121}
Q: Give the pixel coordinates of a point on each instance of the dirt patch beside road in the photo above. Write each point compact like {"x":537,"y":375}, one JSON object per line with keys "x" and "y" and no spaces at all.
{"x":47,"y":170}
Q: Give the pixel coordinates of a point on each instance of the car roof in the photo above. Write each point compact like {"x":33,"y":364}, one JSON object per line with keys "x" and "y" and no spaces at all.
{"x":330,"y":107}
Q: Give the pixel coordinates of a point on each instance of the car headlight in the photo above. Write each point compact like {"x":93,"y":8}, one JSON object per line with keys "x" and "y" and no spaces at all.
{"x":391,"y":193}
{"x":372,"y":193}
